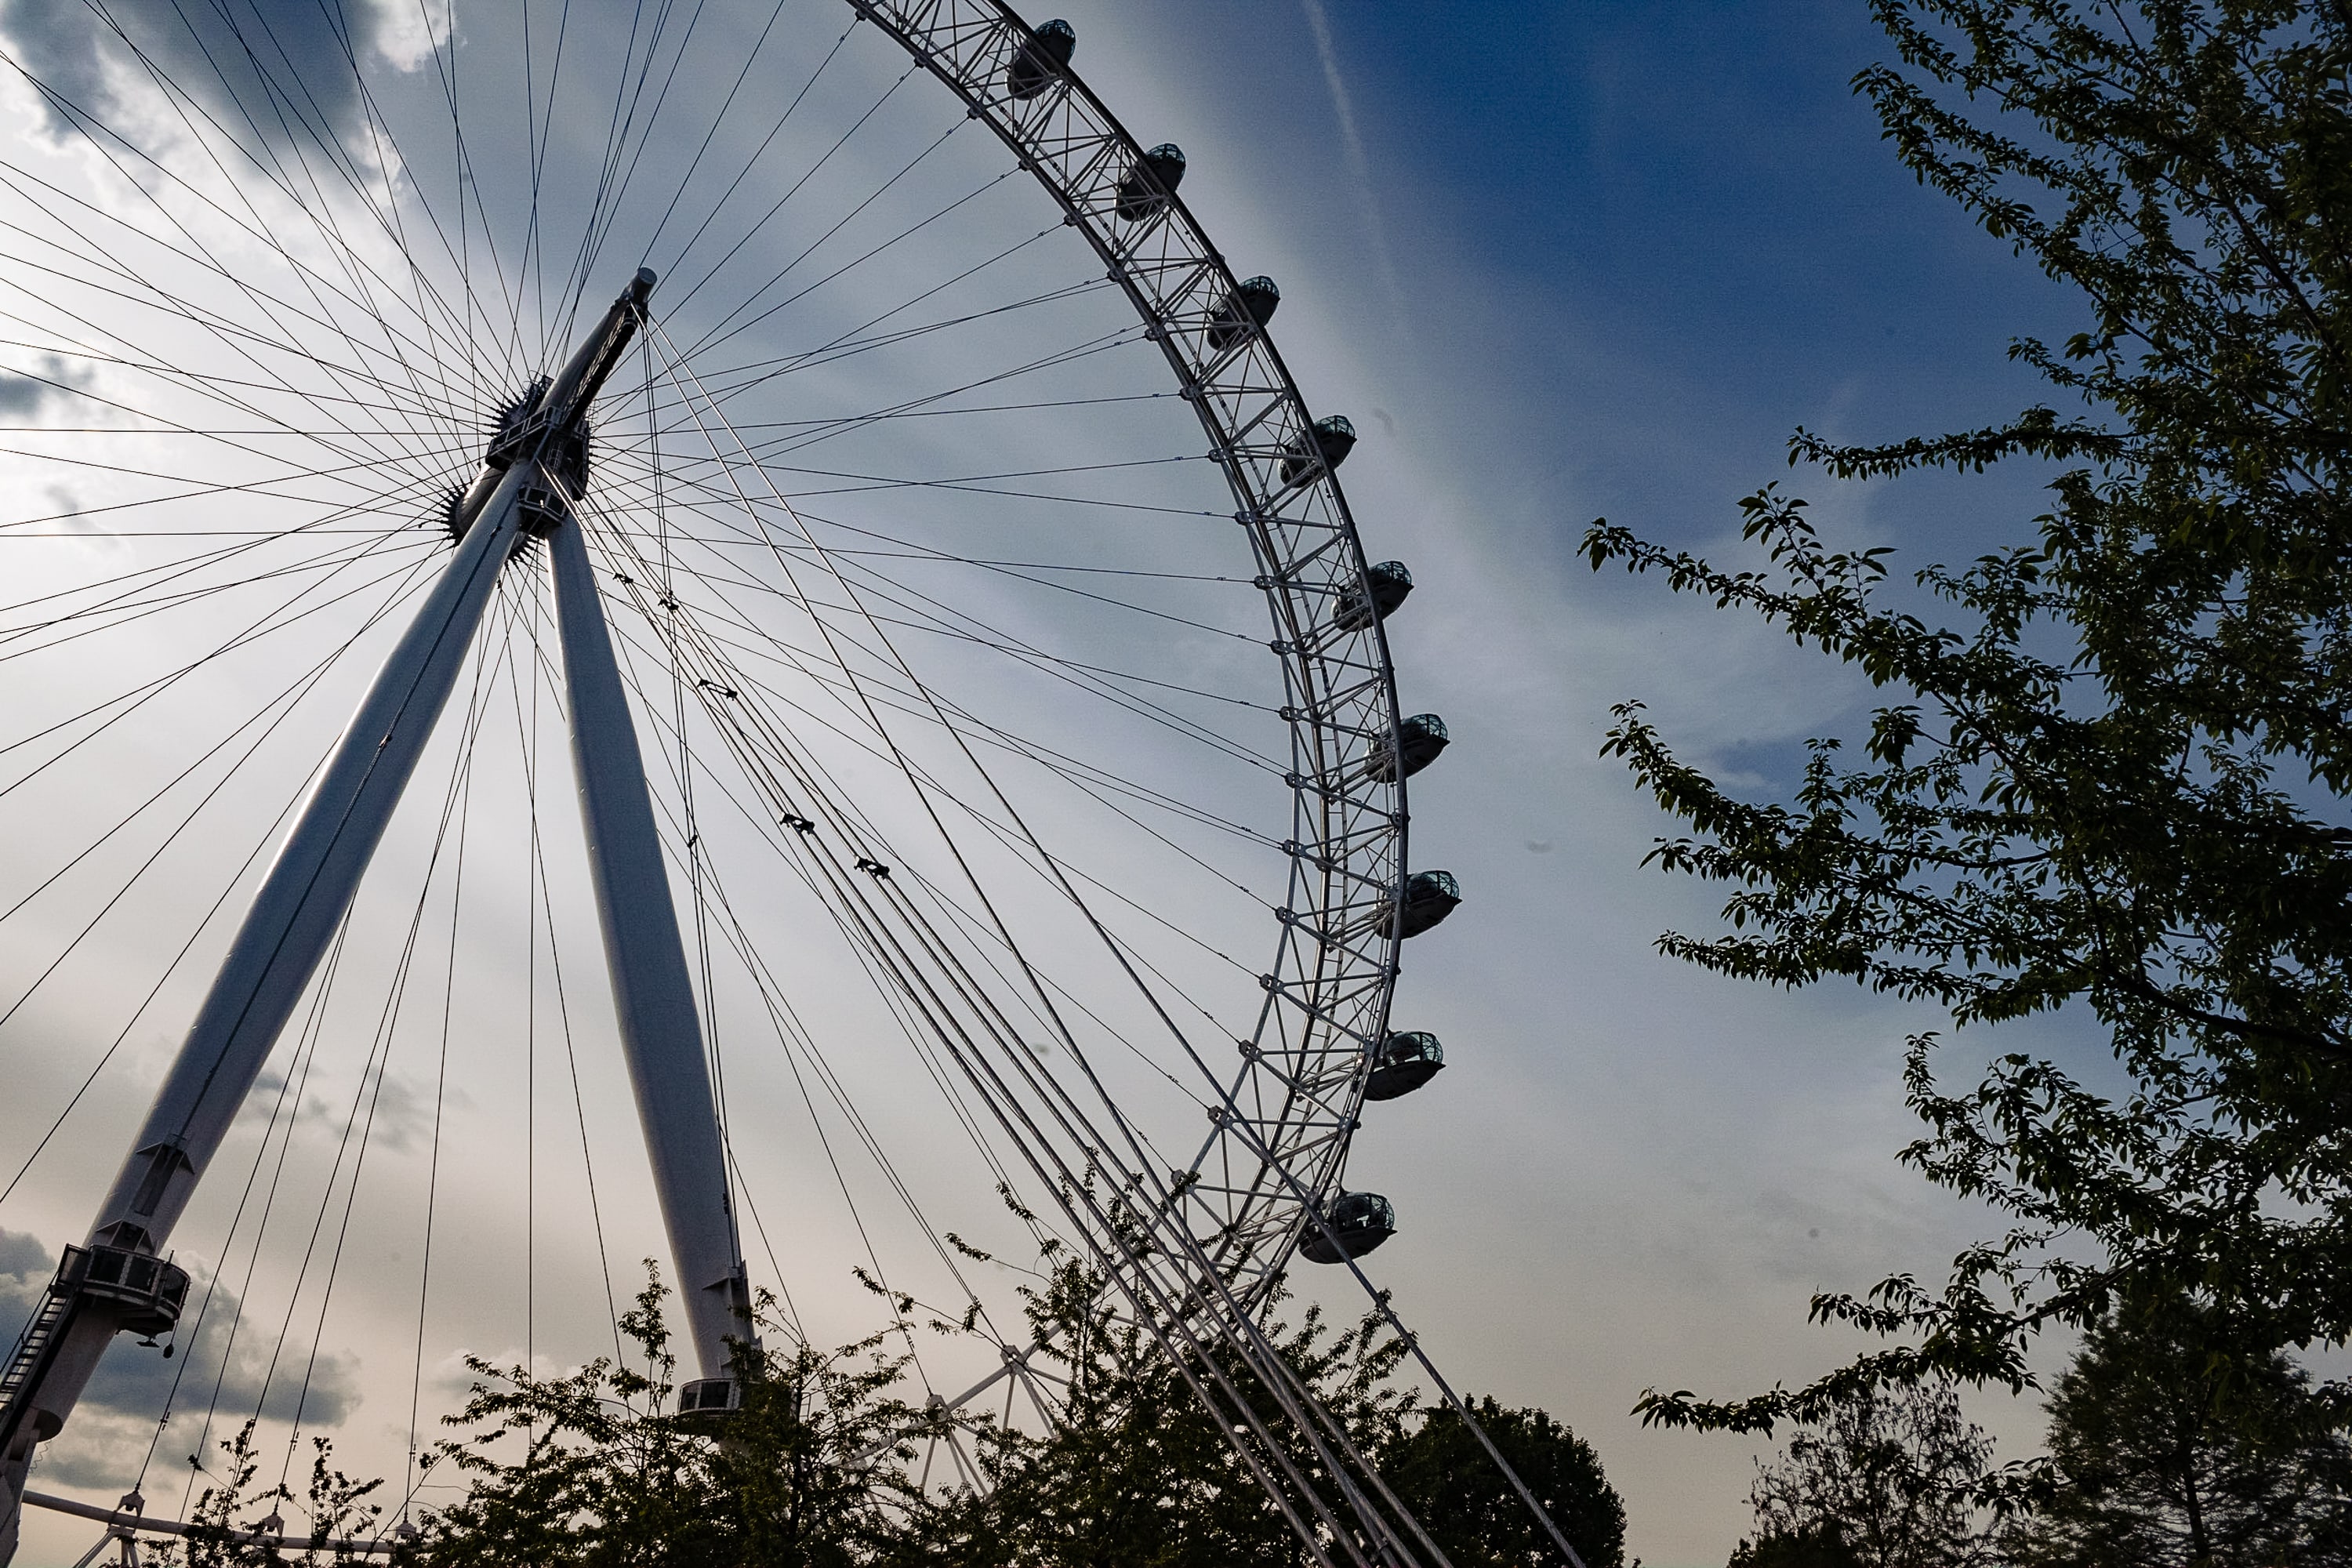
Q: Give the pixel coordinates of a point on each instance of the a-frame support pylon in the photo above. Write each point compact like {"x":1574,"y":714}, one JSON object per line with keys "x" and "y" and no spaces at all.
{"x":120,"y":1278}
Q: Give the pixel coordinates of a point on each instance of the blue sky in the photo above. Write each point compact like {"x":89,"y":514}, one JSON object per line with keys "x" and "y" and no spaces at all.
{"x":1632,"y":246}
{"x":1556,"y":261}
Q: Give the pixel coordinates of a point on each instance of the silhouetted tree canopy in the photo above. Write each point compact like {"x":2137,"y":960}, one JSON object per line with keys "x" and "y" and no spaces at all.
{"x":1444,"y":1473}
{"x":2105,"y":773}
{"x":1886,"y":1479}
{"x":823,"y":1465}
{"x":2174,"y":1444}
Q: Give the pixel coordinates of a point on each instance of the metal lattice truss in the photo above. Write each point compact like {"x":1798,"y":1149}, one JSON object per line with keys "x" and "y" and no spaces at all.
{"x":1193,"y":1253}
{"x":1282,"y":1129}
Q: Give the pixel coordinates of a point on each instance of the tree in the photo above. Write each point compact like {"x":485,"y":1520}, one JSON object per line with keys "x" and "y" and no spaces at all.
{"x":607,"y":1475}
{"x":1887,"y":1480}
{"x":593,"y":1469}
{"x":1138,"y":1472}
{"x":2166,"y":1453}
{"x":226,"y":1530}
{"x":2106,"y":772}
{"x":1445,"y":1474}
{"x":1136,"y":1469}
{"x":1812,"y":1546}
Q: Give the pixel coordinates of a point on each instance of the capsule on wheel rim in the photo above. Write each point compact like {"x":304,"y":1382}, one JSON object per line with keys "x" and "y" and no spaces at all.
{"x":1326,"y":446}
{"x":1042,"y":60}
{"x":1150,"y":181}
{"x":1402,"y":1063}
{"x":1385,"y":587}
{"x":1358,"y":1223}
{"x":1424,"y":900}
{"x":1249,"y":307}
{"x":1419,"y":740}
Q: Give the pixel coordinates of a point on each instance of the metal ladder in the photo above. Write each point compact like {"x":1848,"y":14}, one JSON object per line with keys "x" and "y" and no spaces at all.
{"x":26,"y":1361}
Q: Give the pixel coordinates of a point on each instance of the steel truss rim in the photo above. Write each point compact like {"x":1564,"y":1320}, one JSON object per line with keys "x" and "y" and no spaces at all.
{"x":1334,"y":907}
{"x":1337,"y":949}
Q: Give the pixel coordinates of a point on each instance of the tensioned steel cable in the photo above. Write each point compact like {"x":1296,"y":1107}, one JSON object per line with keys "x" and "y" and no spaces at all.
{"x":543,"y":671}
{"x":261,"y":845}
{"x":679,"y":299}
{"x":781,"y":1009}
{"x":159,"y":589}
{"x":151,"y":691}
{"x":461,"y":775}
{"x":287,"y":1106}
{"x":305,"y":1055}
{"x":297,"y":1083}
{"x":732,"y":677}
{"x":1140,"y":1284}
{"x":120,"y":894}
{"x":90,"y":126}
{"x":719,"y":118}
{"x":1296,"y":1400}
{"x":722,"y":332}
{"x":1095,"y":680}
{"x":265,"y":146}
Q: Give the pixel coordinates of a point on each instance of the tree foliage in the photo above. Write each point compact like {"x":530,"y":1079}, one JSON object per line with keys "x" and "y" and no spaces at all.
{"x":2173,"y":1445}
{"x":228,"y":1530}
{"x":1886,"y":1480}
{"x":593,"y":1469}
{"x":1136,"y":1470}
{"x":1444,"y":1476}
{"x":822,"y":1466}
{"x":2107,"y":767}
{"x":1135,"y":1467}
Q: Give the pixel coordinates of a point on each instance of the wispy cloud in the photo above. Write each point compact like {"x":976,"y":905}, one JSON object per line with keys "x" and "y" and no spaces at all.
{"x":278,"y":71}
{"x":1359,"y":164}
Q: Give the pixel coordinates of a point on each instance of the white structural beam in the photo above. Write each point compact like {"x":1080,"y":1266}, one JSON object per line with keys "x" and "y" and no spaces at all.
{"x":302,"y":900}
{"x":661,"y":1032}
{"x":117,"y":1279}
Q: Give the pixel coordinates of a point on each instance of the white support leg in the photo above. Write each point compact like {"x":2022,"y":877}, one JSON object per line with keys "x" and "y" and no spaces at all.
{"x":118,"y":1280}
{"x":661,"y":1032}
{"x":294,"y":915}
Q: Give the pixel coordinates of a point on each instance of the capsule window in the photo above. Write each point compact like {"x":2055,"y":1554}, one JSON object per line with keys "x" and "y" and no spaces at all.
{"x":1250,"y":306}
{"x":1037,"y":63}
{"x":1426,"y":899}
{"x":1327,"y":445}
{"x":1384,"y":587}
{"x":1150,"y":181}
{"x":1404,"y":1063}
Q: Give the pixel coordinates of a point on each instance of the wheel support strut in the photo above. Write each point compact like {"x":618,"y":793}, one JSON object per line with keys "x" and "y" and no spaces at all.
{"x":309,"y":889}
{"x":661,"y":1034}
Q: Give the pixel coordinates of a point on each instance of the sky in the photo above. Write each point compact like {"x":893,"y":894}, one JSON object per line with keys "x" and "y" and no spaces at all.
{"x":1557,"y":262}
{"x":1600,"y":260}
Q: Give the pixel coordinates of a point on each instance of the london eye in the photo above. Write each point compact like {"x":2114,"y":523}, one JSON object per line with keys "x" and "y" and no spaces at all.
{"x":711,"y":630}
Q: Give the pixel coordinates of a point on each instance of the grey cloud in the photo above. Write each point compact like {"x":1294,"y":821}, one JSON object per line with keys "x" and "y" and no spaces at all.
{"x":21,"y":1255}
{"x":134,"y":1382}
{"x":24,"y":396}
{"x":276,"y":71}
{"x":101,"y":1451}
{"x":399,"y":1111}
{"x":402,"y":1116}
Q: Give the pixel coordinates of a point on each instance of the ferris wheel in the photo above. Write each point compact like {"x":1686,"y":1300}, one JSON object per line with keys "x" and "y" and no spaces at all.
{"x":707,"y":620}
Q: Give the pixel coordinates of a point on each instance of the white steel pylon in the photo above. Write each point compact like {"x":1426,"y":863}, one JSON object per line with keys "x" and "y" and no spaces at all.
{"x":119,"y":1278}
{"x":661,"y":1034}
